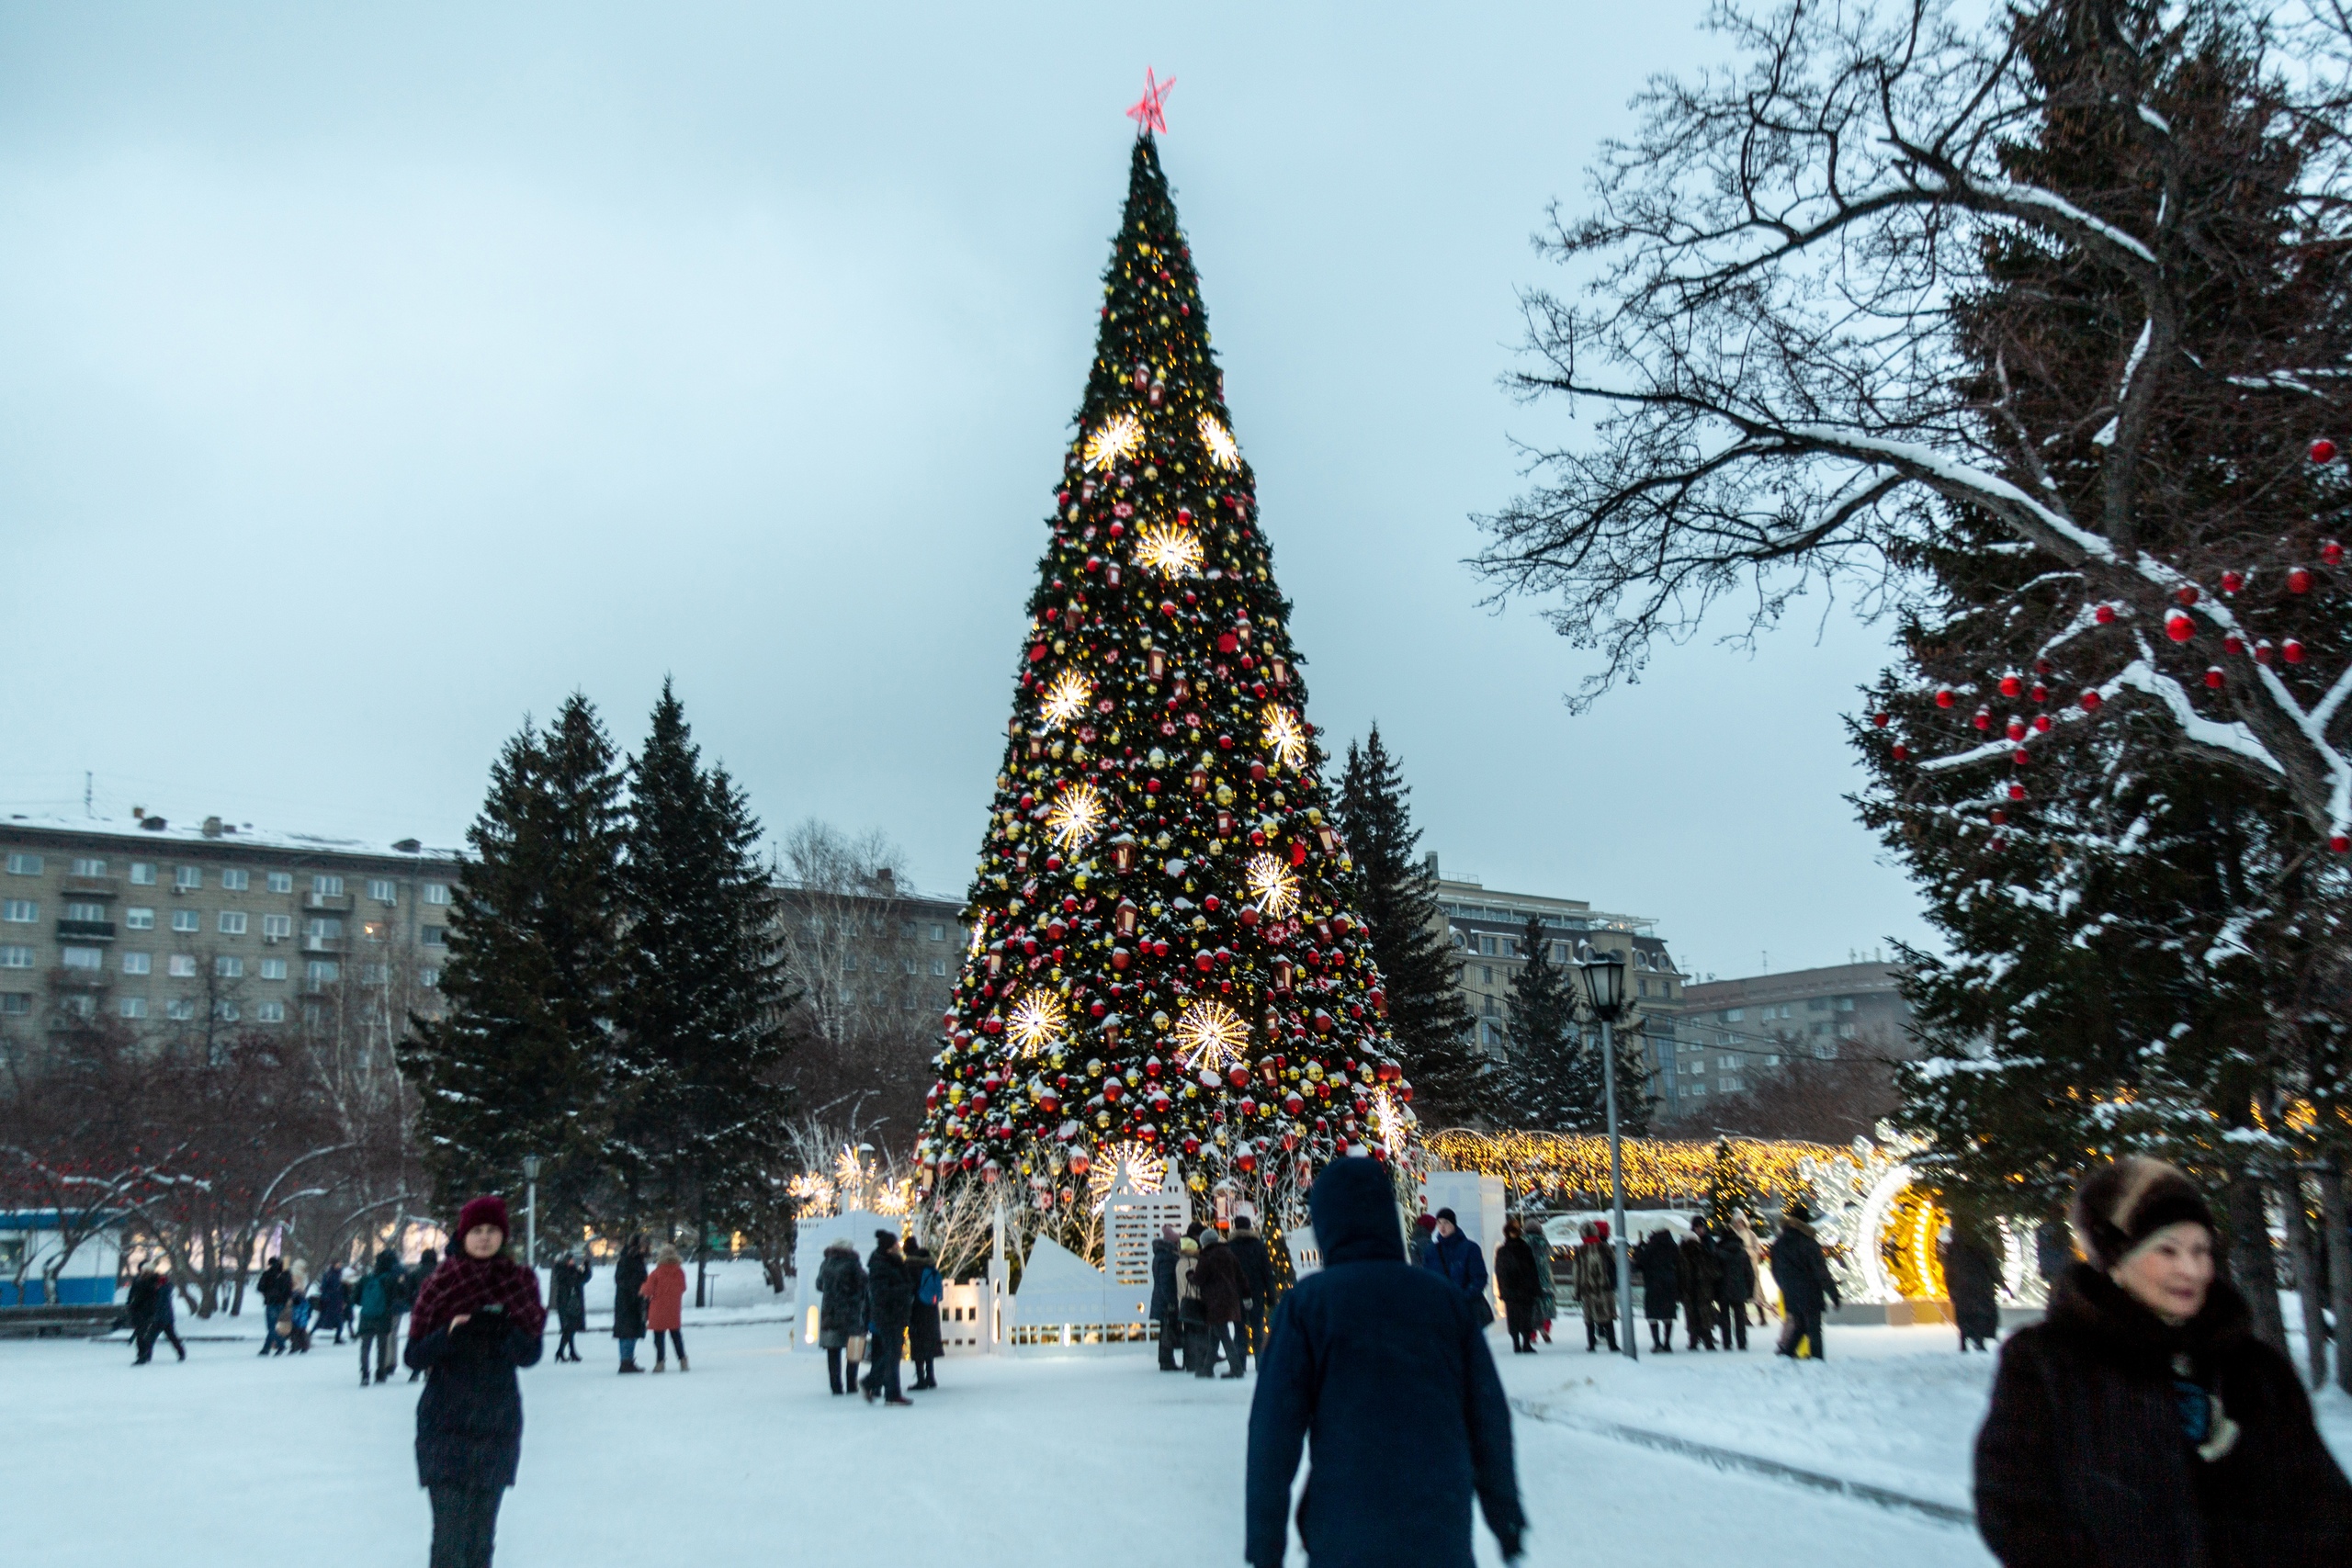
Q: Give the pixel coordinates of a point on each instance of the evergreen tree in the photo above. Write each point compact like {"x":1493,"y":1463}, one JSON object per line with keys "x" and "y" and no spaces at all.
{"x":1553,"y":1081}
{"x":699,"y":1110}
{"x":1165,"y":959}
{"x":1410,"y":942}
{"x":516,"y":1065}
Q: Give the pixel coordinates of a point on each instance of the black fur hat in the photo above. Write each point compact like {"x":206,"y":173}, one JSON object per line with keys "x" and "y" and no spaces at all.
{"x":2122,"y":1205}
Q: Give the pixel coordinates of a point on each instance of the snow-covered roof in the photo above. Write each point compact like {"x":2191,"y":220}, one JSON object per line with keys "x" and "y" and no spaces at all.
{"x":218,"y":832}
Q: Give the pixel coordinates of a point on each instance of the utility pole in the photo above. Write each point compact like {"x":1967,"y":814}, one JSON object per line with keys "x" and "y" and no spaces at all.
{"x":531,"y":1211}
{"x":1604,"y":978}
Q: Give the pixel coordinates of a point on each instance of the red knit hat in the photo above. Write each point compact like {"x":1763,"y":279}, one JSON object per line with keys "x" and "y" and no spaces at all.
{"x":483,"y":1211}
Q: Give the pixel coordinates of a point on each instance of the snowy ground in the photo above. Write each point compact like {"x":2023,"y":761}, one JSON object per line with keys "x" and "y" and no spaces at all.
{"x":1046,"y":1461}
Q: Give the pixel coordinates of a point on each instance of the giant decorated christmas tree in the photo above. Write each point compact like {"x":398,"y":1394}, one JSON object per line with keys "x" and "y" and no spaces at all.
{"x":1164,"y":976}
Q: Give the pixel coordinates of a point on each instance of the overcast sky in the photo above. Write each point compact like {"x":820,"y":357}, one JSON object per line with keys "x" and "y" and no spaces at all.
{"x":369,"y":379}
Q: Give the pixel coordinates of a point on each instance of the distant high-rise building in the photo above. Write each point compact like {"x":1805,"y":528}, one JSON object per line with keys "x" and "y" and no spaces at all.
{"x":1733,"y":1029}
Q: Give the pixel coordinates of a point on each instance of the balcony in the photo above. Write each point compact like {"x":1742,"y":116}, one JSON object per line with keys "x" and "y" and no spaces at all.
{"x":328,"y":903}
{"x":322,"y":945}
{"x":69,"y":980}
{"x":92,"y":887}
{"x":86,"y":930}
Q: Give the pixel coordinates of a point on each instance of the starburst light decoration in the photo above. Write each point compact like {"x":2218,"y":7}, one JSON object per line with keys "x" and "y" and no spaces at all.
{"x":1129,"y":1163}
{"x":1171,"y":552}
{"x":1036,"y":1022}
{"x":1272,"y":886}
{"x":1387,"y":1121}
{"x":1077,"y":816}
{"x":1220,"y":441}
{"x":1118,"y":436}
{"x":815,"y":1195}
{"x":1065,"y":698}
{"x":1286,"y":737}
{"x":1210,"y":1035}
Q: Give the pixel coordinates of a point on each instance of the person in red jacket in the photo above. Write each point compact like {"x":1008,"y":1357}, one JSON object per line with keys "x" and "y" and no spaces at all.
{"x":665,"y":1296}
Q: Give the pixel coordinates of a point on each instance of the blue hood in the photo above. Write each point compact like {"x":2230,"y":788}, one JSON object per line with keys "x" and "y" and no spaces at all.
{"x":1353,"y":1207}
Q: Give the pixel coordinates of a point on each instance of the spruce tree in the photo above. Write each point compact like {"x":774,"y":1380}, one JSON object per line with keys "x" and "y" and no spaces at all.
{"x":699,"y":1110}
{"x":1166,"y":961}
{"x":517,"y":1062}
{"x":1397,"y":892}
{"x":1553,"y":1081}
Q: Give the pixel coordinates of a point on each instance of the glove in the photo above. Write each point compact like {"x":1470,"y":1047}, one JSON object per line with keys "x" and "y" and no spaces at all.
{"x":1513,"y":1545}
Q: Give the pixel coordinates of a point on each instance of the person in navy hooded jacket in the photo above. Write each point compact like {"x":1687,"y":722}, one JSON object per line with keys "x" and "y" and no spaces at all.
{"x":1381,"y":1370}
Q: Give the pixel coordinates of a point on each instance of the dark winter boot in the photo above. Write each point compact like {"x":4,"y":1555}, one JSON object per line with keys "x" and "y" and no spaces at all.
{"x":682,"y":1362}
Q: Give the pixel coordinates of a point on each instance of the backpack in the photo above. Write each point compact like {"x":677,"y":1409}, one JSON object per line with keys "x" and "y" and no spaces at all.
{"x":929,"y":1290}
{"x":375,"y":1297}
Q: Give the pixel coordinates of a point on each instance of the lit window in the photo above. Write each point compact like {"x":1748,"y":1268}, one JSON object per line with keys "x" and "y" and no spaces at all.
{"x":327,"y":887}
{"x":236,"y":881}
{"x":132,"y":1006}
{"x":15,"y":1004}
{"x":22,"y":911}
{"x":188,"y":876}
{"x":182,"y":965}
{"x":277,"y":927}
{"x":436,"y":893}
{"x":179,"y":1010}
{"x":139,"y":919}
{"x":282,"y":882}
{"x":143,"y":873}
{"x":229,"y":968}
{"x":374,"y":931}
{"x":24,"y":865}
{"x":85,"y":866}
{"x":232,"y":922}
{"x":270,"y":1012}
{"x":381,"y":889}
{"x":138,"y":963}
{"x":185,"y":920}
{"x":90,"y":958}
{"x":273,"y":969}
{"x":15,"y":956}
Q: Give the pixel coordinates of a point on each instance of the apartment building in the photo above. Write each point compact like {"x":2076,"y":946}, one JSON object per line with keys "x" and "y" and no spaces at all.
{"x":1488,"y":928}
{"x":1734,"y":1029}
{"x":161,"y":923}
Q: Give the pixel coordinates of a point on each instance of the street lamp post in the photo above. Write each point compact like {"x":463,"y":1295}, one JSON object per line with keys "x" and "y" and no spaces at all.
{"x":531,"y":1211}
{"x":1604,"y":980}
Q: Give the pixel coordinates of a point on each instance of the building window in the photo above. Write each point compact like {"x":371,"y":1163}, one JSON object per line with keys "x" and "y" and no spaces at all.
{"x":1814,"y":1029}
{"x":84,"y":865}
{"x":229,"y":968}
{"x":85,"y":912}
{"x":20,"y":911}
{"x":181,"y":965}
{"x":15,"y":1004}
{"x":429,"y":978}
{"x":1487,"y":973}
{"x":938,"y":930}
{"x":1845,"y":1032}
{"x":236,"y":881}
{"x":1646,"y":987}
{"x":325,"y":927}
{"x":187,"y":878}
{"x":232,"y":922}
{"x":1845,"y":1004}
{"x":139,"y":919}
{"x":322,"y":972}
{"x":179,"y":1010}
{"x":939,"y":967}
{"x":15,"y":956}
{"x":282,"y":882}
{"x":90,"y":958}
{"x":143,"y":873}
{"x":138,"y":963}
{"x":434,"y":936}
{"x":273,"y":969}
{"x":277,"y":927}
{"x":185,"y":920}
{"x":1734,"y":1086}
{"x":374,"y":973}
{"x":328,"y":886}
{"x":24,"y":865}
{"x":270,"y":1012}
{"x":225,"y":1011}
{"x":435,"y":892}
{"x":374,"y":931}
{"x":1697,"y":1087}
{"x":1732,"y":1015}
{"x":381,"y":889}
{"x":1816,"y":1004}
{"x":132,"y":1006}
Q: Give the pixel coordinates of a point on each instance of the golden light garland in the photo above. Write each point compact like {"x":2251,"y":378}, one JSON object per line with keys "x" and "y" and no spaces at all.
{"x":1210,"y":1035}
{"x":1220,"y":441}
{"x":1065,"y":698}
{"x":1658,"y":1170}
{"x":1118,"y":436}
{"x":1037,"y":1020}
{"x":1286,"y":738}
{"x":1272,"y":884}
{"x":1076,"y":817}
{"x":1169,"y":552}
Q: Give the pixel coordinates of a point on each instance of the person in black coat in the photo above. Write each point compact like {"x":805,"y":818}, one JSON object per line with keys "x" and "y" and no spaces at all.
{"x":427,"y":1261}
{"x":628,"y":1307}
{"x":1257,"y":1287}
{"x":924,"y":1345}
{"x":567,"y":1282}
{"x":1515,"y":1281}
{"x":890,"y":1301}
{"x":477,"y":1319}
{"x":1659,"y":1264}
{"x":138,"y":1306}
{"x":277,"y":1290}
{"x":1734,"y":1286}
{"x":335,"y":1302}
{"x":2141,"y":1424}
{"x":1972,"y":1280}
{"x":1384,"y":1369}
{"x":840,"y":1311}
{"x":1165,"y":1249}
{"x":1701,"y":1281}
{"x":1803,"y":1274}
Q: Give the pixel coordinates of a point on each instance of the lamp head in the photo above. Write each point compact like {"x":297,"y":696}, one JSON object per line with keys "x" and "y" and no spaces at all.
{"x":1604,"y":979}
{"x":530,"y":1167}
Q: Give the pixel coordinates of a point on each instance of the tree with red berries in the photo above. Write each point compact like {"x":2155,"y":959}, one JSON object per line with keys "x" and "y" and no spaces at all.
{"x":1164,"y":968}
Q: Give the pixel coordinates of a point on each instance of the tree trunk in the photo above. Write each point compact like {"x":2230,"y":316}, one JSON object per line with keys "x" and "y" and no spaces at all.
{"x":2252,"y":1263}
{"x":2333,"y":1216}
{"x":2311,"y":1274}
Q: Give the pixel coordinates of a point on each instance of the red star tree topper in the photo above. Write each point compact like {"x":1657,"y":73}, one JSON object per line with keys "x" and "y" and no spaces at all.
{"x":1164,"y":964}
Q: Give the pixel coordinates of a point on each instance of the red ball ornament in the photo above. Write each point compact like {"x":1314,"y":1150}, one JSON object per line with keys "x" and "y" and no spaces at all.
{"x":1983,"y":719}
{"x":2331,"y":552}
{"x":2179,"y":627}
{"x":2298,"y":580}
{"x":2263,"y":653}
{"x":2041,"y":724}
{"x":2011,"y":684}
{"x":2091,"y":699}
{"x":1999,"y":844}
{"x":2232,"y":581}
{"x":2186,"y":594}
{"x":2041,"y":692}
{"x":1901,"y":751}
{"x":2291,"y":650}
{"x":2214,"y":678}
{"x":2340,"y":844}
{"x":1996,"y":817}
{"x":2015,"y":728}
{"x":2323,"y":450}
{"x":2020,"y":757}
{"x":2232,"y":643}
{"x":1944,"y":697}
{"x":2017,"y":792}
{"x":1880,"y":719}
{"x":2104,"y":614}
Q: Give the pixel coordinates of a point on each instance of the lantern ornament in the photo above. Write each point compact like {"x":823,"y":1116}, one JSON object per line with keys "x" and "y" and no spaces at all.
{"x":1038,"y":1021}
{"x":1077,"y":816}
{"x":1119,"y":435}
{"x":1065,"y":698}
{"x":1210,"y":1035}
{"x":1123,"y":852}
{"x":1273,"y":886}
